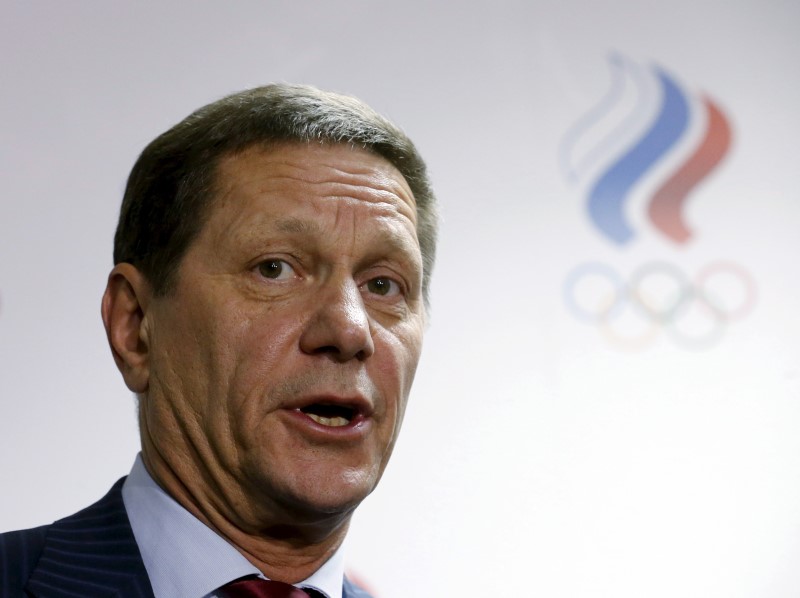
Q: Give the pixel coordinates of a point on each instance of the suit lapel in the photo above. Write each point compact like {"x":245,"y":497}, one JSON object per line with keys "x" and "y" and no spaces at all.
{"x":92,"y":554}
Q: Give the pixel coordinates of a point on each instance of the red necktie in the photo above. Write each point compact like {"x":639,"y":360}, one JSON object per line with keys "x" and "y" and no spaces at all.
{"x":262,"y":588}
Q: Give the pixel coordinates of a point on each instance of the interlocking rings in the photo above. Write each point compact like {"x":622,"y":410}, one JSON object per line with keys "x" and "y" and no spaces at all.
{"x":658,"y":296}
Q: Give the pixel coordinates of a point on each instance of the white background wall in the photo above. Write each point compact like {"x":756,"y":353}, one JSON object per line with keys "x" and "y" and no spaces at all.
{"x":538,"y":457}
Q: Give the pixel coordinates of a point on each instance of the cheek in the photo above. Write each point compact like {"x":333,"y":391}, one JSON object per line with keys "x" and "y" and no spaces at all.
{"x":399,"y":364}
{"x":259,"y":352}
{"x":410,"y":349}
{"x":195,"y":355}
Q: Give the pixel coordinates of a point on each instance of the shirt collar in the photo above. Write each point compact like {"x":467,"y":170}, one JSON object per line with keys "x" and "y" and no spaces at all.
{"x":185,"y":557}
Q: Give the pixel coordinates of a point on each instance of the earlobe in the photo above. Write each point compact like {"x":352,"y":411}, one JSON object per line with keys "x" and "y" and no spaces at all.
{"x":124,"y":306}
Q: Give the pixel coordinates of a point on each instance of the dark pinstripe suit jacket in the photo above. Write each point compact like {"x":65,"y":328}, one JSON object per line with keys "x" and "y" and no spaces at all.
{"x":91,"y":554}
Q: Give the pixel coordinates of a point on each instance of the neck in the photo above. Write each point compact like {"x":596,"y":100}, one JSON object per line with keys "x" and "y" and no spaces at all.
{"x":282,"y":545}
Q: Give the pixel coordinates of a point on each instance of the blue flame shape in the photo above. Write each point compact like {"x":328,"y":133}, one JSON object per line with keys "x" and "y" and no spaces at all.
{"x":607,"y":197}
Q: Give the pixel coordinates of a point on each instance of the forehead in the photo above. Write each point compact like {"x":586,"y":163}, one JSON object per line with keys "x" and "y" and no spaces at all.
{"x":312,"y":173}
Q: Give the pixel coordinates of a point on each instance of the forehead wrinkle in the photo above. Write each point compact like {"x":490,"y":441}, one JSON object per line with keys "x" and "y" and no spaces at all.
{"x":375,"y":181}
{"x":294,"y":225}
{"x":378,"y":181}
{"x":383,"y":198}
{"x":378,"y":177}
{"x":359,"y":181}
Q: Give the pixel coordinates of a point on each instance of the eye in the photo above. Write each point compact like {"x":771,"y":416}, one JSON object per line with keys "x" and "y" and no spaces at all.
{"x":275,"y":269}
{"x":385,"y":287}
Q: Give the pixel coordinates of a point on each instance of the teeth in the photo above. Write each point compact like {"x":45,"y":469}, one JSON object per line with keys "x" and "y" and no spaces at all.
{"x":334,"y":422}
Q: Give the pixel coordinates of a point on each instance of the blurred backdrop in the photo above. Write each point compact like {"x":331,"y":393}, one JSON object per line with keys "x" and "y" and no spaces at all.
{"x":609,"y":396}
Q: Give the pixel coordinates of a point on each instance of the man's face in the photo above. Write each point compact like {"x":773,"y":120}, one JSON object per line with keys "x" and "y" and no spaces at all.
{"x":280,"y":365}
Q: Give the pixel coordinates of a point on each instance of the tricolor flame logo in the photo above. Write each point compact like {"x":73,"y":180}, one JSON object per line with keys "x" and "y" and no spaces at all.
{"x":644,"y":117}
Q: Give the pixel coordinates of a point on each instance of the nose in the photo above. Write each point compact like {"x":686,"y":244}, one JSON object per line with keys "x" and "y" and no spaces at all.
{"x":340,"y":324}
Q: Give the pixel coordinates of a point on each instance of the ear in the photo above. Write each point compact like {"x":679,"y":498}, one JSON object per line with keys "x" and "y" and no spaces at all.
{"x":124,"y":306}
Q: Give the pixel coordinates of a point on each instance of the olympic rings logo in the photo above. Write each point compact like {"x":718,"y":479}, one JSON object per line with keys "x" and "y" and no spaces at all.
{"x":660,"y":297}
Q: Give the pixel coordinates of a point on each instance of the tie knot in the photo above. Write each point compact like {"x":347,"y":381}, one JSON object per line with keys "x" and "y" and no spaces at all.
{"x":263,"y":588}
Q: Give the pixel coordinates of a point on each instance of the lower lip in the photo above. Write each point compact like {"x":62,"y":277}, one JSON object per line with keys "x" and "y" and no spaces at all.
{"x":355,"y":429}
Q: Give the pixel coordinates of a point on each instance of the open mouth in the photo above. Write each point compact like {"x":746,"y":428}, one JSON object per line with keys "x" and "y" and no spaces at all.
{"x":334,"y":416}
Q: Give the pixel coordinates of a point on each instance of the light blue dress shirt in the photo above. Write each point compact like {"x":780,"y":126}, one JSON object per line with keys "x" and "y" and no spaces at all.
{"x":186,"y":558}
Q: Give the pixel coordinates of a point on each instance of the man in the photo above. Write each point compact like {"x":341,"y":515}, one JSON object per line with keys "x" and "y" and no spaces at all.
{"x":267,"y":306}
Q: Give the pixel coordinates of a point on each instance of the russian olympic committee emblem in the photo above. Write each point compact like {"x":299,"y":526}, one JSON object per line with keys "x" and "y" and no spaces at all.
{"x":645,"y":116}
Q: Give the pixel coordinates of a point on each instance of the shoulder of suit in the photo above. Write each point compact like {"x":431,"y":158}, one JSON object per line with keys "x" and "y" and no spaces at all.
{"x":21,"y":550}
{"x":19,"y":553}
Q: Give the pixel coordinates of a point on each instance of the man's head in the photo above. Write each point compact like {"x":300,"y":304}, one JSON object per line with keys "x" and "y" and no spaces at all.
{"x":268,"y":303}
{"x":172,"y":183}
